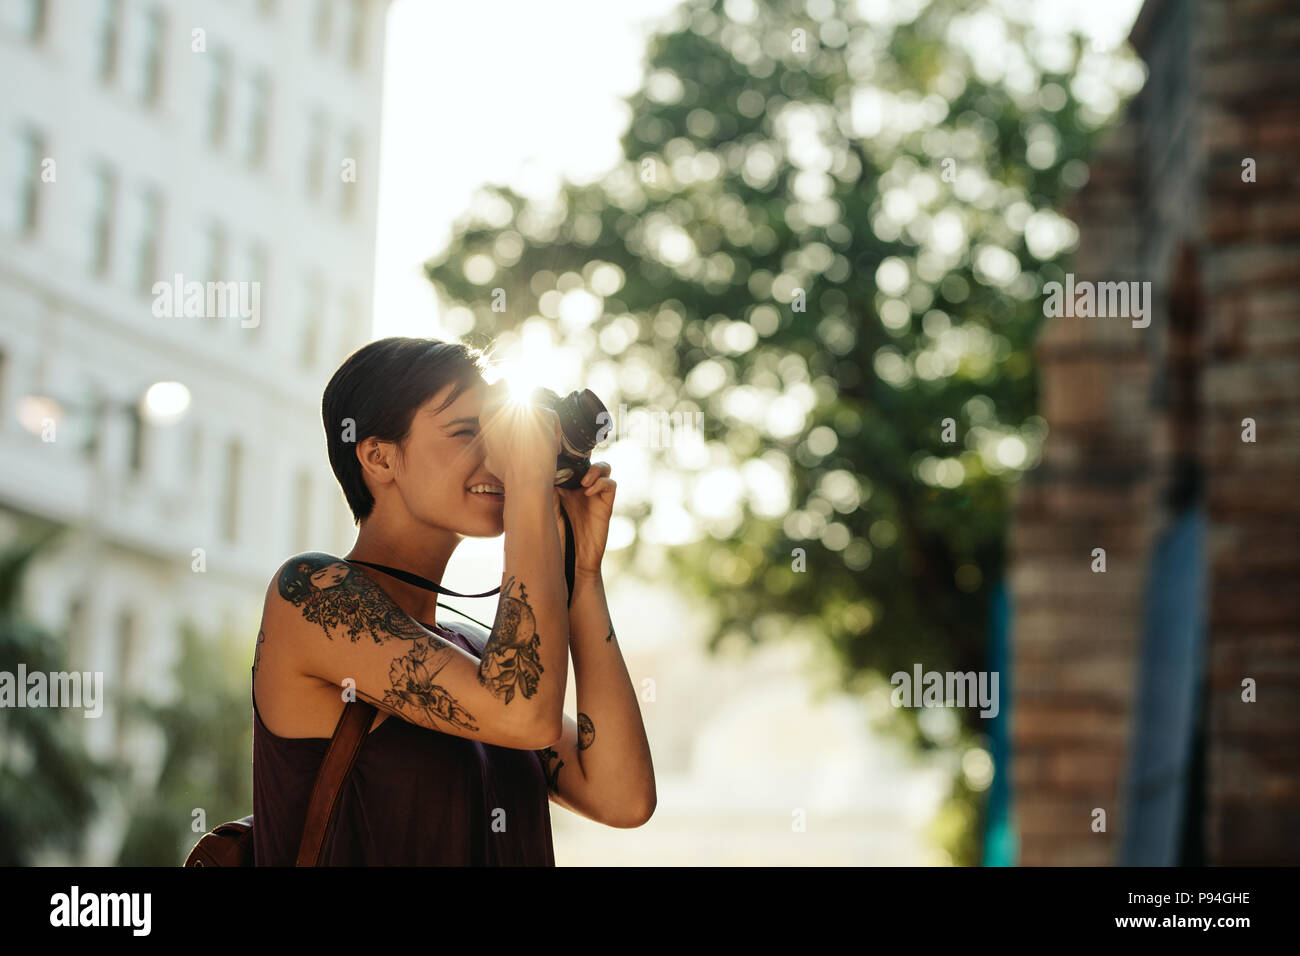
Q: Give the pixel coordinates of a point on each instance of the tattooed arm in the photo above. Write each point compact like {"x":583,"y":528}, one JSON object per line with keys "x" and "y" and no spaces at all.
{"x":338,"y":625}
{"x":525,"y":662}
{"x":600,"y":766}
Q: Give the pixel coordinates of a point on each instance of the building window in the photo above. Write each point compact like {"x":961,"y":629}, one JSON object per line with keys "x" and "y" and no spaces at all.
{"x":194,"y":454}
{"x":316,"y":154}
{"x":149,"y":78}
{"x":92,"y":441}
{"x":324,"y":21}
{"x":356,"y":32}
{"x":149,"y":227}
{"x":26,"y":18}
{"x":103,"y":207}
{"x":135,"y":441}
{"x":230,"y":491}
{"x":259,"y":118}
{"x":126,"y":635}
{"x":217,"y":244}
{"x":312,"y":309}
{"x":27,"y":150}
{"x":218,"y":97}
{"x":259,"y":272}
{"x":349,"y":189}
{"x":76,"y":630}
{"x":110,"y":38}
{"x":103,"y":204}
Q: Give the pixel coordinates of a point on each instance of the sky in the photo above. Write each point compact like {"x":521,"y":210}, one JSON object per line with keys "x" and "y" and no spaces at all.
{"x":526,"y":94}
{"x":493,"y":91}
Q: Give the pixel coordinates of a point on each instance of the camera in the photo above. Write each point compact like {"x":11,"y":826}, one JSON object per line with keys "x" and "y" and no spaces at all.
{"x":584,"y":421}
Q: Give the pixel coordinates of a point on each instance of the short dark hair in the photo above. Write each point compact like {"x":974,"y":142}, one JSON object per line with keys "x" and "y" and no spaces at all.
{"x":379,"y":387}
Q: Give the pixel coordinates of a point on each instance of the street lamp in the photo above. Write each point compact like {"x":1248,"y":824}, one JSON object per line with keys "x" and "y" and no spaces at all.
{"x":162,"y":403}
{"x":165,"y":403}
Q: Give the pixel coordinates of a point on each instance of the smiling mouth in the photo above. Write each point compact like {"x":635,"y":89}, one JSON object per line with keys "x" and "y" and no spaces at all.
{"x":491,"y":492}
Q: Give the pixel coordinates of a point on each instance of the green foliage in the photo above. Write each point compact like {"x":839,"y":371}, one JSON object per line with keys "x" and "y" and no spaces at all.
{"x":51,"y":788}
{"x":47,"y":779}
{"x":958,"y":825}
{"x":852,"y":232}
{"x":208,"y":745}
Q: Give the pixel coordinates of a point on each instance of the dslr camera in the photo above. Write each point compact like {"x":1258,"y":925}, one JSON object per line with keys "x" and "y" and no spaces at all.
{"x":584,"y":422}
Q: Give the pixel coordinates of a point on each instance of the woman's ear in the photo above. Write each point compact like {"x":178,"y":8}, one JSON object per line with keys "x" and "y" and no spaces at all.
{"x":377,"y":459}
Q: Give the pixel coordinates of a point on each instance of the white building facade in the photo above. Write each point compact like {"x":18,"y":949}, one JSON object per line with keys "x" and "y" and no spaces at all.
{"x":148,"y":144}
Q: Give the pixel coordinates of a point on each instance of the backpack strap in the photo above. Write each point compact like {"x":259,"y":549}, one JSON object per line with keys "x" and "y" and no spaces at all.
{"x":349,"y":734}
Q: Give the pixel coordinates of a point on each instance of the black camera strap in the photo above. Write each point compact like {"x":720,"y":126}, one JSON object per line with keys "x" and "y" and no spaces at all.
{"x":416,"y":581}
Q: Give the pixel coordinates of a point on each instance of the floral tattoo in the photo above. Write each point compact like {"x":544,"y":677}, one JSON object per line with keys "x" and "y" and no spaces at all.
{"x":511,"y":658}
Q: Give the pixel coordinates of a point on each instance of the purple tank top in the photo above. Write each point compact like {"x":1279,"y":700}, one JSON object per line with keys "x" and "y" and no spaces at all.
{"x":415,"y":797}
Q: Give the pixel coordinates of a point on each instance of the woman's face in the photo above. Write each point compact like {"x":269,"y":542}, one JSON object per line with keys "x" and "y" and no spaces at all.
{"x":330,"y":575}
{"x":442,"y":459}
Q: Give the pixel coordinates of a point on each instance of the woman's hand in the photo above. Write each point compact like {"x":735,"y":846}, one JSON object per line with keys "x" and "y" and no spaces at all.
{"x":520,"y":439}
{"x":589,"y":508}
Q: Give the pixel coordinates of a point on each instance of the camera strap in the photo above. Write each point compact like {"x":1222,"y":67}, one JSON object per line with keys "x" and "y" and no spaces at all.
{"x":416,"y":581}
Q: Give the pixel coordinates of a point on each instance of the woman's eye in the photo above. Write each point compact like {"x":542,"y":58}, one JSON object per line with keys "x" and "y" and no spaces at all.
{"x":463,"y":431}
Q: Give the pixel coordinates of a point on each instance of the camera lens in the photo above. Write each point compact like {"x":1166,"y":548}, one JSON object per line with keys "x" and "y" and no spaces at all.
{"x":580,"y":421}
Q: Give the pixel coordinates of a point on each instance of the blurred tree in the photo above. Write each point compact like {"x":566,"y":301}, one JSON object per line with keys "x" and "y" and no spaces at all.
{"x":829,"y":235}
{"x":207,"y":753}
{"x":47,"y":778}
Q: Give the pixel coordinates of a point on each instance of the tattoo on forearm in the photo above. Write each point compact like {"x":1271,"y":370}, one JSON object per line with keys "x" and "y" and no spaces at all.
{"x":586,"y":731}
{"x":511,"y":658}
{"x":257,"y":654}
{"x":333,"y":594}
{"x":551,"y":764}
{"x":610,"y":636}
{"x":414,"y":693}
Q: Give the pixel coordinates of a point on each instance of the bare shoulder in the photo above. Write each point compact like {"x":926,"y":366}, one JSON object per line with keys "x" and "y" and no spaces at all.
{"x":295,"y":578}
{"x":291,"y":702}
{"x":325,"y":593}
{"x":293,"y":586}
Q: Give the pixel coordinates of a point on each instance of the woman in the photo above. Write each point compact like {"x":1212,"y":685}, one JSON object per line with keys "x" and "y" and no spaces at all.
{"x":471,"y":739}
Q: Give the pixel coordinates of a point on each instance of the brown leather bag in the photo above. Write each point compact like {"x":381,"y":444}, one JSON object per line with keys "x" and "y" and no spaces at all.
{"x":231,"y":844}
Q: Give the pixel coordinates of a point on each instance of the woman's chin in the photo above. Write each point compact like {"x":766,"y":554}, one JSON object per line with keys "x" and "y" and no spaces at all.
{"x":484,"y":529}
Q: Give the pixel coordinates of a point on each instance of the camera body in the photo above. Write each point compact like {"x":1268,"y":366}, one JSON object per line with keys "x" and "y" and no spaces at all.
{"x":583,"y":421}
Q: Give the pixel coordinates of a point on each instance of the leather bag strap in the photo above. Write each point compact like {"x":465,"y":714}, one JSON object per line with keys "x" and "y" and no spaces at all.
{"x":349,"y":734}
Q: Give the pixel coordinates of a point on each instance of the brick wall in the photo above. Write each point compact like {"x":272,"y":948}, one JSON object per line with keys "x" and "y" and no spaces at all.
{"x":1250,"y":56}
{"x":1076,"y":633}
{"x":1135,"y":414}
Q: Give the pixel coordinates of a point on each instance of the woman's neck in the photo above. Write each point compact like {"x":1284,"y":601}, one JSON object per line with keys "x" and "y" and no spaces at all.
{"x":426,"y":555}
